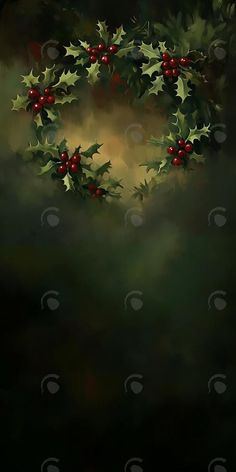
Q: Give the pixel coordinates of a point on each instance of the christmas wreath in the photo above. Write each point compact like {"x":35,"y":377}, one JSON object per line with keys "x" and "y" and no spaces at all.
{"x":174,"y":61}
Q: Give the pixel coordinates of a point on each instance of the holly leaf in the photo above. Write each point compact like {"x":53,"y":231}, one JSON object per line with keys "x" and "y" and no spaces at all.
{"x":111,"y":184}
{"x":65,"y":99}
{"x":89,"y":173}
{"x":47,"y":167}
{"x":67,"y":79}
{"x":20,"y":103}
{"x":46,"y":148}
{"x":151,"y":165}
{"x":104,"y":168}
{"x":62,"y":146}
{"x":51,"y":115}
{"x":150,"y":68}
{"x":118,"y":35}
{"x":103,"y":31}
{"x":198,"y":158}
{"x":182,"y":88}
{"x":181,"y":124}
{"x":81,"y":61}
{"x":162,"y":46}
{"x":157,"y":85}
{"x":197,"y":134}
{"x":68,"y":182}
{"x":149,"y":51}
{"x":93,"y":73}
{"x":126,"y":50}
{"x":49,"y":75}
{"x":72,"y":50}
{"x":38,"y":120}
{"x":30,"y":79}
{"x":92,"y":150}
{"x":84,"y":45}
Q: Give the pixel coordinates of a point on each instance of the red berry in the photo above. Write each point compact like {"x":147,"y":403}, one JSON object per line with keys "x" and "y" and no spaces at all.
{"x":173,"y":63}
{"x":93,"y":59}
{"x":76,"y":158}
{"x":94,"y":51}
{"x":181,"y":143}
{"x":64,"y":156}
{"x":175,"y":72}
{"x":181,"y":153}
{"x":92,"y":188}
{"x":165,"y":65}
{"x":68,"y":164}
{"x":50,"y":99}
{"x":37,"y":107}
{"x":74,"y":168}
{"x":33,"y":94}
{"x":43,"y":100}
{"x":184,"y":61}
{"x":61,"y":169}
{"x":176,"y":161}
{"x":89,"y":50}
{"x":113,"y":49}
{"x":101,"y":47}
{"x":165,"y":56}
{"x":171,"y":150}
{"x":167,"y":72}
{"x":47,"y":91}
{"x":189,"y":147}
{"x":99,"y":192}
{"x":106,"y":60}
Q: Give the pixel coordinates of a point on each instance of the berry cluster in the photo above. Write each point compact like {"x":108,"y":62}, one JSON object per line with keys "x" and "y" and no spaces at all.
{"x":181,"y":152}
{"x":69,"y":164}
{"x":38,"y":100}
{"x":171,"y":65}
{"x":95,"y":191}
{"x":102,"y":53}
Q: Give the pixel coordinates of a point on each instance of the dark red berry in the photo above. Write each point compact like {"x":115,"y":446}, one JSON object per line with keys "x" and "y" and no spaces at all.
{"x":94,"y":51}
{"x":50,"y":99}
{"x":171,"y":150}
{"x":33,"y":94}
{"x":165,"y":56}
{"x":92,"y":188}
{"x":76,"y":158}
{"x":43,"y":100}
{"x":47,"y":91}
{"x":68,"y":164}
{"x":173,"y":63}
{"x":113,"y":49}
{"x":165,"y":65}
{"x":181,"y":153}
{"x":184,"y":61}
{"x":64,"y":156}
{"x":74,"y":168}
{"x":189,"y":147}
{"x":93,"y":59}
{"x":175,"y":72}
{"x":61,"y":169}
{"x":89,"y":50}
{"x":106,"y":60}
{"x":37,"y":107}
{"x":167,"y":72}
{"x":99,"y":192}
{"x":176,"y":161}
{"x":101,"y":47}
{"x":181,"y":143}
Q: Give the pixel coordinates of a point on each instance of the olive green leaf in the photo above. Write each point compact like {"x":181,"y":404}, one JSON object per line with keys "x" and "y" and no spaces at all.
{"x":197,"y":134}
{"x":30,"y":79}
{"x":149,"y":51}
{"x":49,"y":75}
{"x":93,"y":73}
{"x":67,"y":79}
{"x":68,"y":182}
{"x":65,"y":99}
{"x":182,"y":88}
{"x":20,"y":103}
{"x":91,"y":150}
{"x":157,"y":85}
{"x":126,"y":50}
{"x":103,"y":31}
{"x":46,"y":148}
{"x":47,"y":167}
{"x":118,"y":35}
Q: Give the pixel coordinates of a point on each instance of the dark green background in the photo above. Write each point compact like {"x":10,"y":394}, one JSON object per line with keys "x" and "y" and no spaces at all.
{"x":91,"y":341}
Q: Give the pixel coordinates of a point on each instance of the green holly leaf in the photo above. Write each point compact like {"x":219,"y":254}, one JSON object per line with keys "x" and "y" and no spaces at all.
{"x":151,"y":165}
{"x":181,"y":124}
{"x":30,"y":79}
{"x":68,"y":182}
{"x":20,"y":103}
{"x":197,"y":134}
{"x":149,"y":51}
{"x":111,"y":184}
{"x":51,"y":114}
{"x":65,"y":99}
{"x":103,"y":168}
{"x":126,"y":50}
{"x":162,"y":46}
{"x":47,"y":167}
{"x":67,"y":79}
{"x":182,"y":88}
{"x":93,"y":73}
{"x":81,"y":61}
{"x":150,"y":68}
{"x":118,"y":35}
{"x":194,"y":76}
{"x":84,"y":45}
{"x":46,"y":148}
{"x":198,"y":158}
{"x":62,"y":146}
{"x":49,"y":76}
{"x":91,"y":150}
{"x":38,"y":120}
{"x":103,"y":31}
{"x":157,"y":85}
{"x":72,"y":50}
{"x":89,"y":173}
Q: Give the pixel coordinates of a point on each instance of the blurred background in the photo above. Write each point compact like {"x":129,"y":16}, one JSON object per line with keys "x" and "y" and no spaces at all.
{"x":117,"y":320}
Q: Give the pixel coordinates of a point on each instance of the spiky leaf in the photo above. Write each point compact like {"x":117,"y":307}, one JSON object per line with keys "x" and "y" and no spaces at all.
{"x":62,"y":146}
{"x":181,"y":124}
{"x":118,"y":35}
{"x":51,"y":114}
{"x":38,"y":120}
{"x":157,"y":85}
{"x":93,"y":73}
{"x":92,"y":150}
{"x":197,"y":134}
{"x":198,"y":158}
{"x":73,"y":50}
{"x":49,"y":76}
{"x":111,"y":184}
{"x":46,"y":148}
{"x":20,"y":103}
{"x":30,"y":79}
{"x":149,"y":51}
{"x":68,"y":182}
{"x":126,"y":50}
{"x":162,"y":46}
{"x":81,"y":61}
{"x":47,"y":167}
{"x":103,"y":168}
{"x":65,"y":99}
{"x":84,"y":45}
{"x":182,"y":88}
{"x":103,"y":31}
{"x":150,"y":68}
{"x":67,"y":79}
